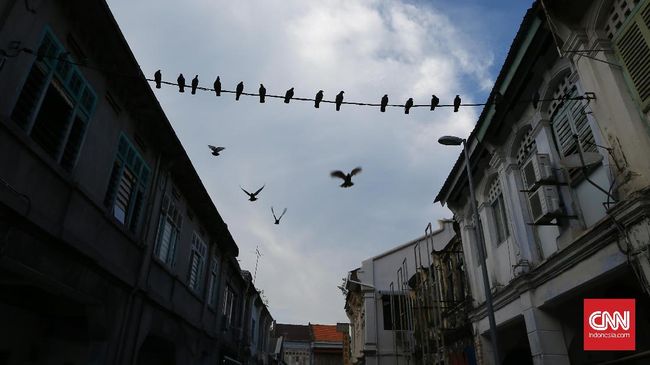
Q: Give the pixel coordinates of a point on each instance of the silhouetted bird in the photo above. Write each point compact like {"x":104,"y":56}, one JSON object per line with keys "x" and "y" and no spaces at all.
{"x":277,"y":219}
{"x":456,"y":103}
{"x":347,"y":178}
{"x":239,"y":90}
{"x":408,"y":105}
{"x":288,"y":95}
{"x":216,"y":150}
{"x":339,"y":100}
{"x":319,"y":98}
{"x":535,"y":99}
{"x":384,"y":102}
{"x":217,"y":86}
{"x":262,"y":93}
{"x":252,"y":197}
{"x":195,"y":84}
{"x":434,"y":102}
{"x":158,"y":77}
{"x":181,"y":83}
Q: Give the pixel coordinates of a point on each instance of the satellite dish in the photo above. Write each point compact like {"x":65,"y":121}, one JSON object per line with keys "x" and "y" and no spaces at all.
{"x":573,"y":161}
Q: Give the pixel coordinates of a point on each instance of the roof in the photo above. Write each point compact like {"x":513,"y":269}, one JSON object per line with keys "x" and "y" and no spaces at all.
{"x":293,"y":332}
{"x":326,"y":333}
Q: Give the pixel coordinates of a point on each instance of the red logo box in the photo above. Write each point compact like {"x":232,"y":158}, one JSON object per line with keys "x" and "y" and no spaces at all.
{"x":609,"y":324}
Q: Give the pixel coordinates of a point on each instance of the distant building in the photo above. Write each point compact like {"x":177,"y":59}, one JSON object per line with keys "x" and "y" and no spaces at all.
{"x":296,"y":343}
{"x":326,"y":345}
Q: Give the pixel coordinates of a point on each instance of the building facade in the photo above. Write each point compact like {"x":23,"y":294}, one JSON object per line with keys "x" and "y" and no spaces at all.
{"x":326,"y":344}
{"x":111,"y":250}
{"x":559,"y":161}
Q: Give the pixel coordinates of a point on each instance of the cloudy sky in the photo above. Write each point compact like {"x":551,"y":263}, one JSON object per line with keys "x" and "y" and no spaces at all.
{"x":366,"y":48}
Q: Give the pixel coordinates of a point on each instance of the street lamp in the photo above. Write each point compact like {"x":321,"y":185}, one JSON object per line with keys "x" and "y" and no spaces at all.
{"x":456,"y":141}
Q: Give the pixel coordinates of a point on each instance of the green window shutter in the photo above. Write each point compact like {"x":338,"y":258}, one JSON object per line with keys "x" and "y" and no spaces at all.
{"x":633,"y":47}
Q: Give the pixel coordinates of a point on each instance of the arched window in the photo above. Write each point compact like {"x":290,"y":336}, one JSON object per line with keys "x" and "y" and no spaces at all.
{"x":525,"y":148}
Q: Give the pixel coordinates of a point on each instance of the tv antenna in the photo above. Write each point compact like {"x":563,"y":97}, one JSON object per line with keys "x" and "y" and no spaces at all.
{"x":258,"y":254}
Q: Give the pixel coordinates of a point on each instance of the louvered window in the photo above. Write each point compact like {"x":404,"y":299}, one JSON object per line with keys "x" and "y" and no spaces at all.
{"x":197,"y":262}
{"x":632,"y":43}
{"x":495,"y":198}
{"x":127,"y":185}
{"x":228,"y":308}
{"x":214,"y":282}
{"x":55,"y":103}
{"x":171,"y":221}
{"x":569,"y":118}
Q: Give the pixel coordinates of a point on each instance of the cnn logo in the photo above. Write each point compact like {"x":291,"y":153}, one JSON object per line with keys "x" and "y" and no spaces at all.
{"x":609,"y":324}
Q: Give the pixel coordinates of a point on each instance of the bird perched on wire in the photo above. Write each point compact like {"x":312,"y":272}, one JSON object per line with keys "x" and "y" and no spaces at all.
{"x":253,"y":197}
{"x":384,"y":103}
{"x":262,"y":93}
{"x":277,"y":219}
{"x":216,"y":150}
{"x":158,"y":77}
{"x":181,"y":83}
{"x":339,"y":100}
{"x":408,"y":105}
{"x":217,"y":86}
{"x":434,"y":102}
{"x":456,"y":103}
{"x":239,"y":90}
{"x":288,"y":95}
{"x":318,"y":99}
{"x":195,"y":84}
{"x":347,"y":178}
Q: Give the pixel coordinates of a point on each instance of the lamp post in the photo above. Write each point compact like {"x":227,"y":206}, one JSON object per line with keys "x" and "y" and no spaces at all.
{"x":456,"y":141}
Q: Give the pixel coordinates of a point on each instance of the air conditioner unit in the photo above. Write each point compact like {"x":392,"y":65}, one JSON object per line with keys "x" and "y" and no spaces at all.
{"x":544,"y":204}
{"x":537,"y":170}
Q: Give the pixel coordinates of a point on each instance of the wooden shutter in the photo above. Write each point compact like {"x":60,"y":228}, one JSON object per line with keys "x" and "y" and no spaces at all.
{"x":633,"y":47}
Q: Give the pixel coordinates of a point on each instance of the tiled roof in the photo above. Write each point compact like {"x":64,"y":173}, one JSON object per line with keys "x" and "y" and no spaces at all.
{"x":326,"y":333}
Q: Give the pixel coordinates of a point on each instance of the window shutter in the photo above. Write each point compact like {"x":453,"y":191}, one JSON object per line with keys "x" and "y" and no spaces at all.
{"x":633,"y":47}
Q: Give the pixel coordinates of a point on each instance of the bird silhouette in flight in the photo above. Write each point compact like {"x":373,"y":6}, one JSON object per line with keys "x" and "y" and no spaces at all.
{"x":158,"y":77}
{"x":384,"y":102}
{"x":339,"y":100}
{"x":456,"y":103}
{"x":318,"y":99}
{"x":347,"y":178}
{"x":217,"y":86}
{"x":216,"y":150}
{"x":262,"y":93}
{"x":434,"y":102}
{"x":288,"y":95}
{"x":195,"y":84}
{"x":253,"y":197}
{"x":277,"y":219}
{"x":239,"y":90}
{"x":181,"y":83}
{"x":408,"y":105}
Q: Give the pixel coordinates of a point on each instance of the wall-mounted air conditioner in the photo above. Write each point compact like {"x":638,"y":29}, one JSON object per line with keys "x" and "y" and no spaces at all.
{"x":537,"y":170}
{"x":544,"y":204}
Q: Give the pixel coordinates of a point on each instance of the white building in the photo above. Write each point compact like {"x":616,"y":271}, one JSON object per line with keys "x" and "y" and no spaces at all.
{"x":556,"y":233}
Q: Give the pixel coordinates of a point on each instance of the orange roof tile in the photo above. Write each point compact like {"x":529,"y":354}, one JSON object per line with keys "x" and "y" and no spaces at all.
{"x":326,"y":333}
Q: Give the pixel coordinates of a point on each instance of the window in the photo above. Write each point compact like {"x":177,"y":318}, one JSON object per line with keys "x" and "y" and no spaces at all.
{"x":495,"y":198}
{"x":395,"y":312}
{"x":55,"y":103}
{"x":169,"y":230}
{"x":127,"y":185}
{"x":197,"y":262}
{"x":253,"y":331}
{"x":228,"y":306}
{"x":214,"y":282}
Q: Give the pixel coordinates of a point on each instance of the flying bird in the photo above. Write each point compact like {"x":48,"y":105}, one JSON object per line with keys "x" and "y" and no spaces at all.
{"x":195,"y":84}
{"x":158,"y":77}
{"x":239,"y":90}
{"x":536,"y":99}
{"x":217,"y":86}
{"x":288,"y":95}
{"x":408,"y":105}
{"x":434,"y":102}
{"x":262,"y":93}
{"x":252,"y":197}
{"x":277,"y":219}
{"x":216,"y":150}
{"x":318,"y":99}
{"x":339,"y":100}
{"x":456,"y":103}
{"x":384,"y":103}
{"x":347,"y":178}
{"x":181,"y":83}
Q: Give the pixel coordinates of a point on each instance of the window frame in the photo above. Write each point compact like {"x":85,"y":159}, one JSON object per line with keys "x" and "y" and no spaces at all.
{"x":213,"y":285}
{"x":198,"y":249}
{"x":169,"y":214}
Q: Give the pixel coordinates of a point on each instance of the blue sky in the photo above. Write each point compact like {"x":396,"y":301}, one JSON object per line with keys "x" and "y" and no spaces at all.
{"x":367,"y":48}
